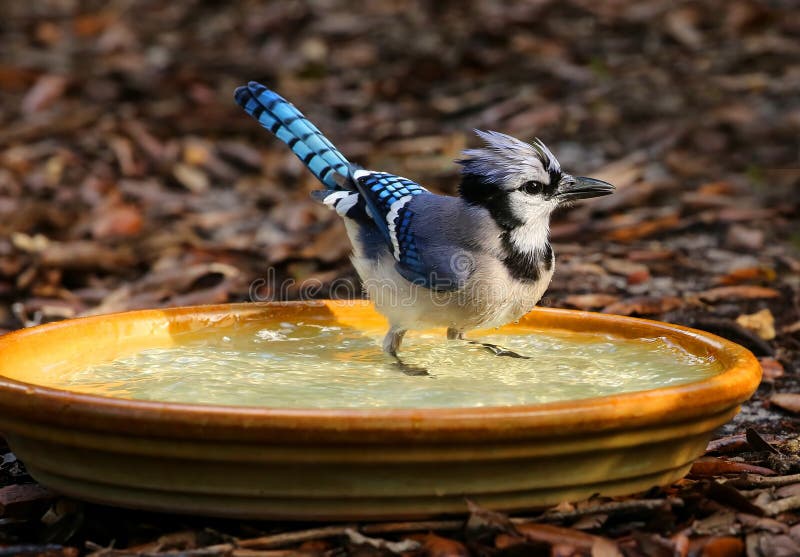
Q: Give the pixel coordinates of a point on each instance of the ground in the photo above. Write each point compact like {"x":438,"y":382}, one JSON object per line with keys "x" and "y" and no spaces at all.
{"x":130,"y":179}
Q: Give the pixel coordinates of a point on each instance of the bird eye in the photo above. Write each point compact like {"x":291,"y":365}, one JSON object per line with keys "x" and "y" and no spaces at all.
{"x":532,"y":187}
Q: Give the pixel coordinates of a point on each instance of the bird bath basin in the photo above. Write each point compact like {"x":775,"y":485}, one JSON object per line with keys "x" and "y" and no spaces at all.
{"x":377,"y":444}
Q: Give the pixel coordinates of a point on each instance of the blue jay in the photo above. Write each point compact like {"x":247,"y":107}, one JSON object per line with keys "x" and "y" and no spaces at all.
{"x":479,"y":260}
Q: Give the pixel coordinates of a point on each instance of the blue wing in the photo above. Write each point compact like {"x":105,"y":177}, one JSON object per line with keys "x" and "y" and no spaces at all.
{"x":387,"y":201}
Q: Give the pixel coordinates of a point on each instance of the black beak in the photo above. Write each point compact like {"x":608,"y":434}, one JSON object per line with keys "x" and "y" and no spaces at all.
{"x":581,"y":187}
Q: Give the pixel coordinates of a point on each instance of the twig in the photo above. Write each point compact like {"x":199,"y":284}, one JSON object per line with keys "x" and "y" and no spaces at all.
{"x":782,"y":505}
{"x":754,"y":480}
{"x":269,"y":553}
{"x":413,"y":526}
{"x":288,"y":538}
{"x":727,"y":444}
{"x":604,"y":508}
{"x":210,"y":551}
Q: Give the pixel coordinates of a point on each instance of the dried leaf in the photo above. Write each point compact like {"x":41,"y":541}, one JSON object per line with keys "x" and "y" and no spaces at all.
{"x":740,"y":292}
{"x":556,"y":535}
{"x":644,"y":305}
{"x":730,"y":444}
{"x":603,"y":547}
{"x":21,"y":500}
{"x":749,"y":239}
{"x":720,"y":523}
{"x":732,"y":497}
{"x":46,"y":90}
{"x":751,"y":522}
{"x":682,"y":24}
{"x":437,"y":546}
{"x":588,"y":302}
{"x":712,"y":466}
{"x":191,"y":177}
{"x":762,"y":323}
{"x":748,"y":274}
{"x":727,"y":546}
{"x":645,"y":228}
{"x":758,"y":443}
{"x":787,"y":401}
{"x":86,"y":255}
{"x":767,"y":545}
{"x":118,"y":221}
{"x":483,"y":519}
{"x":771,"y":369}
{"x":635,"y":273}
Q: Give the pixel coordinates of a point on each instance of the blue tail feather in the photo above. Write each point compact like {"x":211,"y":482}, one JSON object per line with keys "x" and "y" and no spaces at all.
{"x":290,"y":126}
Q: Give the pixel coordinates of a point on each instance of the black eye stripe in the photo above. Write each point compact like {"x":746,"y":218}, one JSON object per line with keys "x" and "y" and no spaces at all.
{"x":555,"y":178}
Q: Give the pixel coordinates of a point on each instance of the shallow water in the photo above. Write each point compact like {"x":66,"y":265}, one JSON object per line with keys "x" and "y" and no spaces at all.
{"x":312,"y":366}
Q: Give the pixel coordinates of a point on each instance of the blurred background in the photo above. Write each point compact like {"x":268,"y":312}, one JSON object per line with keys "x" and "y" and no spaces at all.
{"x":129,"y":178}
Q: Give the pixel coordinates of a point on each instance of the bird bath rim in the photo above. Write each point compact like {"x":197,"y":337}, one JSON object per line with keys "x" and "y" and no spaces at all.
{"x":734,"y":384}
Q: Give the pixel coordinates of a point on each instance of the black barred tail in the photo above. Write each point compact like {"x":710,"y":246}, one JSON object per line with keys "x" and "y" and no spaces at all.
{"x":290,"y":126}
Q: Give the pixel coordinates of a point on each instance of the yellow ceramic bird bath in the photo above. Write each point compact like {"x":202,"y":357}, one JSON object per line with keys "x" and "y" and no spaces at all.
{"x":357,"y":440}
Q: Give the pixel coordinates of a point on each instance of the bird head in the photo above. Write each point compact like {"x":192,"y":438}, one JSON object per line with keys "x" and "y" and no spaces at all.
{"x":520,"y":182}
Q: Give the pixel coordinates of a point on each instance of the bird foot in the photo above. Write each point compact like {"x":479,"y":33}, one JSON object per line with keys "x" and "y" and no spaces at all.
{"x":455,"y":334}
{"x":499,"y":350}
{"x":409,"y":369}
{"x":391,"y":344}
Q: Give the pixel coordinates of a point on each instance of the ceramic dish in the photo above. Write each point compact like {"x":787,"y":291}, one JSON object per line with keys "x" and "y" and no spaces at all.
{"x":347,"y":464}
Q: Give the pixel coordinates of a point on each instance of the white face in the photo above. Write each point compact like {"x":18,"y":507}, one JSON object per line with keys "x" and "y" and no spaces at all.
{"x":531,"y":197}
{"x":529,"y":208}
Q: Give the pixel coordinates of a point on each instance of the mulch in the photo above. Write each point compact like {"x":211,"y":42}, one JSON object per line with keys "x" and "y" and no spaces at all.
{"x":130,"y":179}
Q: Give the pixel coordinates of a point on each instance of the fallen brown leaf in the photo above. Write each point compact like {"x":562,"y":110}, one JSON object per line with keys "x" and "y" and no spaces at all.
{"x":747,"y":274}
{"x":682,"y":544}
{"x":787,"y":401}
{"x":46,"y":90}
{"x":763,"y":523}
{"x":521,"y":545}
{"x":726,"y":546}
{"x":767,"y":545}
{"x":731,"y":497}
{"x":437,"y":546}
{"x":644,"y":229}
{"x":740,"y":292}
{"x":20,"y":500}
{"x":86,"y":255}
{"x":644,"y":305}
{"x":483,"y":519}
{"x":588,"y":302}
{"x":762,"y":323}
{"x":712,"y":466}
{"x":556,"y":535}
{"x":791,"y":329}
{"x":604,"y":547}
{"x":771,"y":369}
{"x":122,"y":220}
{"x":740,"y":237}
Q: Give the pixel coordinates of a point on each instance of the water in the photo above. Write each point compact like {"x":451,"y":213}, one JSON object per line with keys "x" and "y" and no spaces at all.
{"x":312,"y":366}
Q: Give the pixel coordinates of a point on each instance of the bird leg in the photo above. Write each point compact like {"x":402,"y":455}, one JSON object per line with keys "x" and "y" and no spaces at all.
{"x":391,"y":344}
{"x":454,"y":334}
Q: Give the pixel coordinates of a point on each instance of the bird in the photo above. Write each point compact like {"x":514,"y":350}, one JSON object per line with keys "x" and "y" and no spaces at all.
{"x":478,"y":260}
